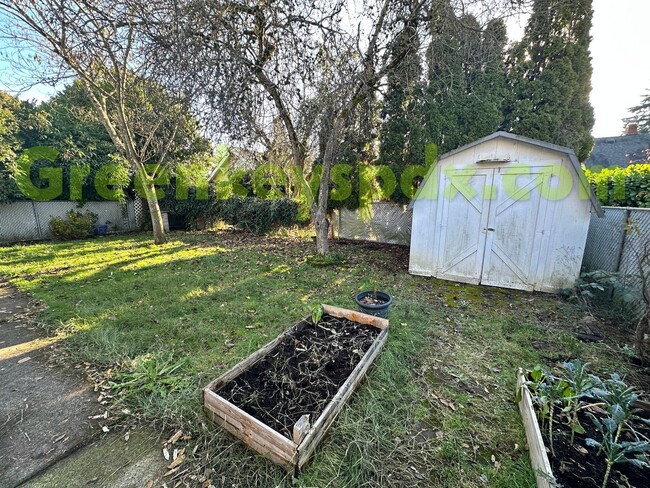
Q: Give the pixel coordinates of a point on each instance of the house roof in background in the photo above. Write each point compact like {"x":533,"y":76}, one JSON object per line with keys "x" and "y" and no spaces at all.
{"x":620,"y":150}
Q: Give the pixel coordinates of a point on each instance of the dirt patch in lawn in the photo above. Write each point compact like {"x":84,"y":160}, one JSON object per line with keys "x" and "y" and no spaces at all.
{"x":302,"y":374}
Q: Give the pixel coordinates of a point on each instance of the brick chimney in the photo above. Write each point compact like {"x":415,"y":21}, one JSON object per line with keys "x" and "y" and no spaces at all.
{"x":632,"y":129}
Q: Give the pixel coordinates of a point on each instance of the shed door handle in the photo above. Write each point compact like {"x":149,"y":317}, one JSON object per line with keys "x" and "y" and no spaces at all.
{"x":490,"y":229}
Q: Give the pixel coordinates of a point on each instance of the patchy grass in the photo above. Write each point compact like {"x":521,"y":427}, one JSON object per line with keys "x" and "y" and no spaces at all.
{"x":437,"y":410}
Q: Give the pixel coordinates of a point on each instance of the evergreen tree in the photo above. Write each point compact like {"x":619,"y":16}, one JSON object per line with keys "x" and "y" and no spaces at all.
{"x":466,"y":78}
{"x":402,"y":135}
{"x":490,"y":91}
{"x":445,"y":78}
{"x":22,"y":125}
{"x":550,"y":76}
{"x":641,"y":114}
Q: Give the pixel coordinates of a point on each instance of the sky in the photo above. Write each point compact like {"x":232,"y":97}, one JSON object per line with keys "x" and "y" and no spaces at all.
{"x":620,"y":60}
{"x":620,"y":50}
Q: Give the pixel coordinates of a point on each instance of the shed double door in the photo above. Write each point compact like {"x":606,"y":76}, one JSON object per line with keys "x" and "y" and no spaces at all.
{"x":490,"y":226}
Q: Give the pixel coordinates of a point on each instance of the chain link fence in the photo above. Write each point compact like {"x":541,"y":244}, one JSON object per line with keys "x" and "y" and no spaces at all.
{"x":614,"y":244}
{"x":29,"y":221}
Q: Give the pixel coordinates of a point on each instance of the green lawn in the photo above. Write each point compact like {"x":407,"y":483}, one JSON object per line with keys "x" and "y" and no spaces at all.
{"x":437,"y":410}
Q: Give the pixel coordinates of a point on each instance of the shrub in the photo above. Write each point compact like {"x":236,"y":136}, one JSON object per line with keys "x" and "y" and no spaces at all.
{"x":75,"y":225}
{"x":253,"y":214}
{"x":622,"y":187}
{"x":257,"y":215}
{"x":608,"y":293}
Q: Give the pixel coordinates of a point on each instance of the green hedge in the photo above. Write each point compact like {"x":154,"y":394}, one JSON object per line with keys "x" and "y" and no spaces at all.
{"x":622,"y":187}
{"x":253,"y":214}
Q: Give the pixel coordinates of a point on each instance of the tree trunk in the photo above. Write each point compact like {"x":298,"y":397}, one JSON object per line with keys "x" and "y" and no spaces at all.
{"x":320,"y":205}
{"x":322,"y":228}
{"x":642,"y":340}
{"x":154,"y":211}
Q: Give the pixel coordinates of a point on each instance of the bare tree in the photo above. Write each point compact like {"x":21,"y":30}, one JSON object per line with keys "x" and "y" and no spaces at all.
{"x":307,"y":64}
{"x":106,"y":45}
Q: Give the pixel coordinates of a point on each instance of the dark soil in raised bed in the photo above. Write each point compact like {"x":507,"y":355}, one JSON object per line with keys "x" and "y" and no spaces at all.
{"x":302,"y":374}
{"x":580,"y":466}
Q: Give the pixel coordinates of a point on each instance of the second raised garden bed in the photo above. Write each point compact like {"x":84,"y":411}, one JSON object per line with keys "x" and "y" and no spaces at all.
{"x":281,"y":400}
{"x":578,"y":462}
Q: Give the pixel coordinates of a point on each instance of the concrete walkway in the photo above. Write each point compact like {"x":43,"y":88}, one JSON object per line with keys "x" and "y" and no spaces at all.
{"x":46,"y":411}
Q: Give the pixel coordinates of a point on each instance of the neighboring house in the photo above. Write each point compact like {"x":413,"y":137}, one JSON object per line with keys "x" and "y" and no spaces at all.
{"x":488,"y":213}
{"x":621,"y":151}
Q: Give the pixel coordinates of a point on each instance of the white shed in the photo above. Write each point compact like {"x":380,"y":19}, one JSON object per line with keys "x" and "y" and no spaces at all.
{"x":504,"y":211}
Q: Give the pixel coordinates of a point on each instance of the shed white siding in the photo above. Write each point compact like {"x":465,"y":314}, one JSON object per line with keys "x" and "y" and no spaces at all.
{"x":486,"y":213}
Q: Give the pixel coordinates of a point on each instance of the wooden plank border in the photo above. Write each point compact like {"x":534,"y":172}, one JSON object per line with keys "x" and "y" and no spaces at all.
{"x":354,"y":316}
{"x":267,"y":441}
{"x":536,"y":448}
{"x":251,"y":431}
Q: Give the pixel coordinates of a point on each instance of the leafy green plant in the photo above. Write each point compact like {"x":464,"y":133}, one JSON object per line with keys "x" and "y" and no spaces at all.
{"x":593,"y":282}
{"x":316,"y":313}
{"x":619,"y":399}
{"x":549,"y":391}
{"x":616,"y":452}
{"x":368,"y":284}
{"x":75,"y":225}
{"x":581,"y":384}
{"x":150,"y":374}
{"x":605,"y":291}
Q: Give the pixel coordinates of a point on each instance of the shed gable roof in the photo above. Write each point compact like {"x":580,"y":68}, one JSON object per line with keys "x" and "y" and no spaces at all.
{"x":575,"y":164}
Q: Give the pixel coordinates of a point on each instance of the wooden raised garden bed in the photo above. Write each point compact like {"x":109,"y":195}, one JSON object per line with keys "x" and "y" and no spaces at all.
{"x":538,"y":457}
{"x":575,"y":456}
{"x":281,"y":400}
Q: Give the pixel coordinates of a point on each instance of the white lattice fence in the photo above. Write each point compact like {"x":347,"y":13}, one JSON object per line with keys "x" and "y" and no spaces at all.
{"x":389,"y":223}
{"x":29,"y":221}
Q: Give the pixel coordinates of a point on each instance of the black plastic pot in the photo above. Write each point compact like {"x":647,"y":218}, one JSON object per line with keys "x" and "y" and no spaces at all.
{"x":378,"y":310}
